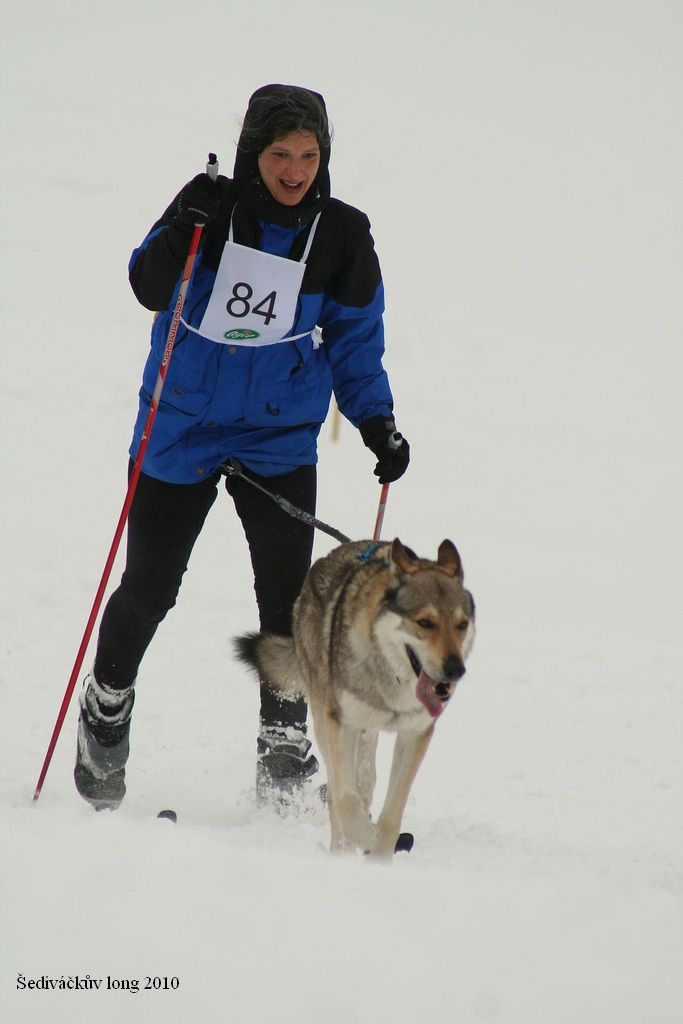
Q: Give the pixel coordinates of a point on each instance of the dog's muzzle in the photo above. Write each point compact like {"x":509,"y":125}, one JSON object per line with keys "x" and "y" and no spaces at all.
{"x":453,"y":668}
{"x":434,"y":696}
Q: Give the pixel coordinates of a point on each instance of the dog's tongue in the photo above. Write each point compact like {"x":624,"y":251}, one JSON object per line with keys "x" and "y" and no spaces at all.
{"x":426,"y":694}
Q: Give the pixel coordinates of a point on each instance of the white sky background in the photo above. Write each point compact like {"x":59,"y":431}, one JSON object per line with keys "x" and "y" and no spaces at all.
{"x":521,"y":166}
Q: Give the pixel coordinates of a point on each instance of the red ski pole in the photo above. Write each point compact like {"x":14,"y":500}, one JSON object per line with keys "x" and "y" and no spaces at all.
{"x":394,"y":442}
{"x":212,"y":170}
{"x":384,"y":494}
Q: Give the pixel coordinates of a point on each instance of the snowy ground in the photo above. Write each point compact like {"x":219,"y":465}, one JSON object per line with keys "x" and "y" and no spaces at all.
{"x":521,"y":164}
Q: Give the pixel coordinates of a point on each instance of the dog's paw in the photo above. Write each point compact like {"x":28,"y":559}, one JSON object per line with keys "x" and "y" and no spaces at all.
{"x":388,"y":842}
{"x":357,"y":830}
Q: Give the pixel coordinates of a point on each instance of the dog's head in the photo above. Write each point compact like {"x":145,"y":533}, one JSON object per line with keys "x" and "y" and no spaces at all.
{"x":437,"y":619}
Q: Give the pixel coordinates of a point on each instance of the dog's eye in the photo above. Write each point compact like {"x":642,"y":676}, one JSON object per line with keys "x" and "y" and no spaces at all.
{"x":426,"y":624}
{"x":462,"y":626}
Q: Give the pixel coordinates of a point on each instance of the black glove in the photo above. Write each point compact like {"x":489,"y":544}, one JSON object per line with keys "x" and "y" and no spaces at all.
{"x":392,"y":450}
{"x":199,"y":201}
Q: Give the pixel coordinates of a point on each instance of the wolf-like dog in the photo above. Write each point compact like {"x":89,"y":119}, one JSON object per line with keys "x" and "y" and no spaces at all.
{"x":380,"y":639}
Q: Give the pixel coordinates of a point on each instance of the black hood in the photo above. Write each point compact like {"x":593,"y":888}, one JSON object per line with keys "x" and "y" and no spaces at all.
{"x":254,"y":195}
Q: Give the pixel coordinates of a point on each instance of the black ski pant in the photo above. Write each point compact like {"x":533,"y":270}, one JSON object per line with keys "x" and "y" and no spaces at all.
{"x":164,"y":522}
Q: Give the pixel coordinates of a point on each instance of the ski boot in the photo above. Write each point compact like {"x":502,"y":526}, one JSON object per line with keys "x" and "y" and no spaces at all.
{"x":102,"y":750}
{"x":284,"y":763}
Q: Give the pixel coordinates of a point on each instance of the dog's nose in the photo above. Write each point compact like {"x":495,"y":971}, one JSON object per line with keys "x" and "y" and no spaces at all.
{"x":453,"y":668}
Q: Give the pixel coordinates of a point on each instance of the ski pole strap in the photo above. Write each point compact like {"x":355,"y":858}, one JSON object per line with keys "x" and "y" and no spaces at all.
{"x":233,"y":468}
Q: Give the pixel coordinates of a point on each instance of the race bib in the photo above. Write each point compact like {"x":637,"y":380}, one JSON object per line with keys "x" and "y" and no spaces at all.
{"x":254,"y":297}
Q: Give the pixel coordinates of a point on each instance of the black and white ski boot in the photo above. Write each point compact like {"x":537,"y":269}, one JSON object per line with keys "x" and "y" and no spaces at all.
{"x":284,"y":763}
{"x":102,"y":750}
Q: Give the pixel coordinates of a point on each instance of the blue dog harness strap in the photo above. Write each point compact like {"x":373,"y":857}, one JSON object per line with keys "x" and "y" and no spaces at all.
{"x":368,"y":555}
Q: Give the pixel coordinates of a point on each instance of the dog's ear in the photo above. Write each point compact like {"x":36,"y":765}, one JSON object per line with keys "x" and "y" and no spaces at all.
{"x":449,"y":559}
{"x":403,"y":558}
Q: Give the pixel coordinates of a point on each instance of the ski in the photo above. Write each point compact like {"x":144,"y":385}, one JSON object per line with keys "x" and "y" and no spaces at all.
{"x":404,"y":843}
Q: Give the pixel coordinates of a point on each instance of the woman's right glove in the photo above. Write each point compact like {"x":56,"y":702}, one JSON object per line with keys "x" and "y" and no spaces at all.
{"x":380,"y":435}
{"x":199,"y":201}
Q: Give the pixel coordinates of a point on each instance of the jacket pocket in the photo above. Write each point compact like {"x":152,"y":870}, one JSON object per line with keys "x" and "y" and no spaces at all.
{"x":176,"y":399}
{"x":289,"y":403}
{"x":193,"y":365}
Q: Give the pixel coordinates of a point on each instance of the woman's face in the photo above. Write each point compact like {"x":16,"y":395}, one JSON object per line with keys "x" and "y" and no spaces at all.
{"x":289,"y":165}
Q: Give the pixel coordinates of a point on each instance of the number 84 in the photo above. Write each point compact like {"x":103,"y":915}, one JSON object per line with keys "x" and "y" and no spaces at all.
{"x":238,"y":306}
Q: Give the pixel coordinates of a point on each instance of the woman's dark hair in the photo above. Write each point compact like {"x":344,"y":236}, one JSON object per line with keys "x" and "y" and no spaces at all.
{"x":274,"y":112}
{"x":277,"y":110}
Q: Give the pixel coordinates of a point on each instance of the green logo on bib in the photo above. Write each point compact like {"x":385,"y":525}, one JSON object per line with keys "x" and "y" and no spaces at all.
{"x":240,"y":335}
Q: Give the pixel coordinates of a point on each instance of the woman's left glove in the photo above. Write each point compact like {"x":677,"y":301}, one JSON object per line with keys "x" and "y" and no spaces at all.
{"x":392,"y":450}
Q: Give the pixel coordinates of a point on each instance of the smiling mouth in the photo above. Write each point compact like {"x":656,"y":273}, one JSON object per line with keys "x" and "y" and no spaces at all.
{"x":415,"y":662}
{"x":434,"y":696}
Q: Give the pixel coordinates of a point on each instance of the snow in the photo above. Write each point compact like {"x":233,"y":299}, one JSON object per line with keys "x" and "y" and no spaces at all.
{"x":521,"y":165}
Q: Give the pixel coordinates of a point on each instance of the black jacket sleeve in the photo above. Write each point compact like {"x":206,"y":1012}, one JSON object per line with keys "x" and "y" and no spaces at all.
{"x":157,"y":264}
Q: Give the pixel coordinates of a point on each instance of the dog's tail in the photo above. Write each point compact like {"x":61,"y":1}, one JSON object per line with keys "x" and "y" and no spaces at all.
{"x":274,"y":658}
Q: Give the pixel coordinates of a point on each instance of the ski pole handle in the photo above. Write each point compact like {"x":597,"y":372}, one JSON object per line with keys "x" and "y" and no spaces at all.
{"x":212,"y":167}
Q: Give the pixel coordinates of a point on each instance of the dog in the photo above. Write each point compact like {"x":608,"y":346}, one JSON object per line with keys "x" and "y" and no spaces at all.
{"x":380,"y":639}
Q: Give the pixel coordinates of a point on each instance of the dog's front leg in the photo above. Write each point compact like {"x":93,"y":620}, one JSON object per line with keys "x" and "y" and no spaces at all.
{"x":366,"y":765}
{"x":348,"y":812}
{"x":323,"y":722}
{"x":409,"y":751}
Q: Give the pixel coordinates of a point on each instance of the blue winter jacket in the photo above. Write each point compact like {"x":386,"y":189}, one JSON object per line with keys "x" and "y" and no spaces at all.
{"x":264,"y":406}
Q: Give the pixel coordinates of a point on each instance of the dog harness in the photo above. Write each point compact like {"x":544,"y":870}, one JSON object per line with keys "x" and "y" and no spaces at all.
{"x":368,"y":555}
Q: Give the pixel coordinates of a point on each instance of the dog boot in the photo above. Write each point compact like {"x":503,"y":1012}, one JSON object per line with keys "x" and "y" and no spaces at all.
{"x":284,"y":762}
{"x":102,"y":750}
